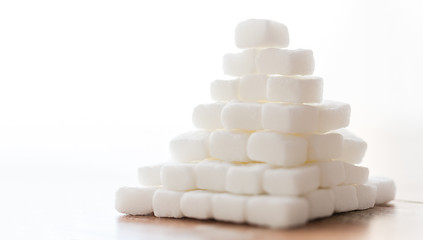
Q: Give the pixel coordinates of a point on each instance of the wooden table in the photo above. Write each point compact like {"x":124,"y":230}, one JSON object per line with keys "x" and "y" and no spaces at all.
{"x":76,"y":203}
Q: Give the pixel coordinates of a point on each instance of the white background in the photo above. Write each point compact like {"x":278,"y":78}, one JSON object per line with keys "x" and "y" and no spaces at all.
{"x":103,"y":85}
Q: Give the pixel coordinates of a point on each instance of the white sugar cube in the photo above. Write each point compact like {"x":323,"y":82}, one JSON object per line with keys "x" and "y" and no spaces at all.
{"x":166,"y":203}
{"x":245,"y":178}
{"x":277,"y":149}
{"x":345,"y":198}
{"x":197,"y":204}
{"x":321,"y":203}
{"x":355,"y":174}
{"x":332,"y":173}
{"x":299,"y":118}
{"x":240,"y":64}
{"x":135,"y":200}
{"x":289,"y":118}
{"x":229,"y":145}
{"x":242,"y":115}
{"x":333,"y":115}
{"x":385,"y":189}
{"x":301,"y":62}
{"x":252,"y":88}
{"x":285,"y":61}
{"x":291,"y":181}
{"x":207,"y":116}
{"x":190,"y":146}
{"x":366,"y":196}
{"x":295,"y":89}
{"x":150,"y":175}
{"x":276,"y":211}
{"x":354,"y":147}
{"x":211,"y":175}
{"x":324,"y":146}
{"x":261,"y":33}
{"x":178,"y":176}
{"x":224,"y":90}
{"x":229,"y":207}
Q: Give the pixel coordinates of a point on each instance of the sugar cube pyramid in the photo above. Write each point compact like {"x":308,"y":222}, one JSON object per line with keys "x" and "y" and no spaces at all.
{"x":269,"y":151}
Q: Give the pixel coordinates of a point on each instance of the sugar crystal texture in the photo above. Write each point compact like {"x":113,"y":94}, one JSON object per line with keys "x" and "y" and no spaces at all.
{"x":323,"y":147}
{"x":285,"y":61}
{"x":332,"y":173}
{"x":355,"y":174}
{"x":229,"y":145}
{"x":277,"y":212}
{"x":366,"y":196}
{"x":291,"y":181}
{"x":300,"y":118}
{"x":252,"y":88}
{"x":240,"y":64}
{"x":321,"y":203}
{"x":207,"y":116}
{"x":345,"y":198}
{"x":354,"y":147}
{"x":197,"y":204}
{"x":333,"y":115}
{"x":229,"y":207}
{"x":211,"y":175}
{"x":295,"y":89}
{"x":385,"y":189}
{"x":245,"y":178}
{"x":242,"y":115}
{"x":290,"y":118}
{"x":261,"y":33}
{"x":178,"y":176}
{"x":150,"y":175}
{"x":224,"y":90}
{"x":190,"y":146}
{"x":135,"y":200}
{"x":166,"y":203}
{"x":277,"y":149}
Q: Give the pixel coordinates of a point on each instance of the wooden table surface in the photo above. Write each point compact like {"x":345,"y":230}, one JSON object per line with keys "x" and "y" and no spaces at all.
{"x":76,"y":202}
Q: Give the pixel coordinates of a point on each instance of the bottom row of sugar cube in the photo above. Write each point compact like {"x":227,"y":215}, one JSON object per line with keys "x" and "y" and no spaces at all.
{"x":263,"y":210}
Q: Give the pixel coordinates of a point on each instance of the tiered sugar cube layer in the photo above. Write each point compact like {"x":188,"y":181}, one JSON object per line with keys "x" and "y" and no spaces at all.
{"x":268,"y":151}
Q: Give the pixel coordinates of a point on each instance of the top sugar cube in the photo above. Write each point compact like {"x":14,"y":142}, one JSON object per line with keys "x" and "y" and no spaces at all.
{"x":261,"y":33}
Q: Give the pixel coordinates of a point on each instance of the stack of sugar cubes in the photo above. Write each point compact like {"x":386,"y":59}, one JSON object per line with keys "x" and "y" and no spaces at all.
{"x":268,"y":151}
